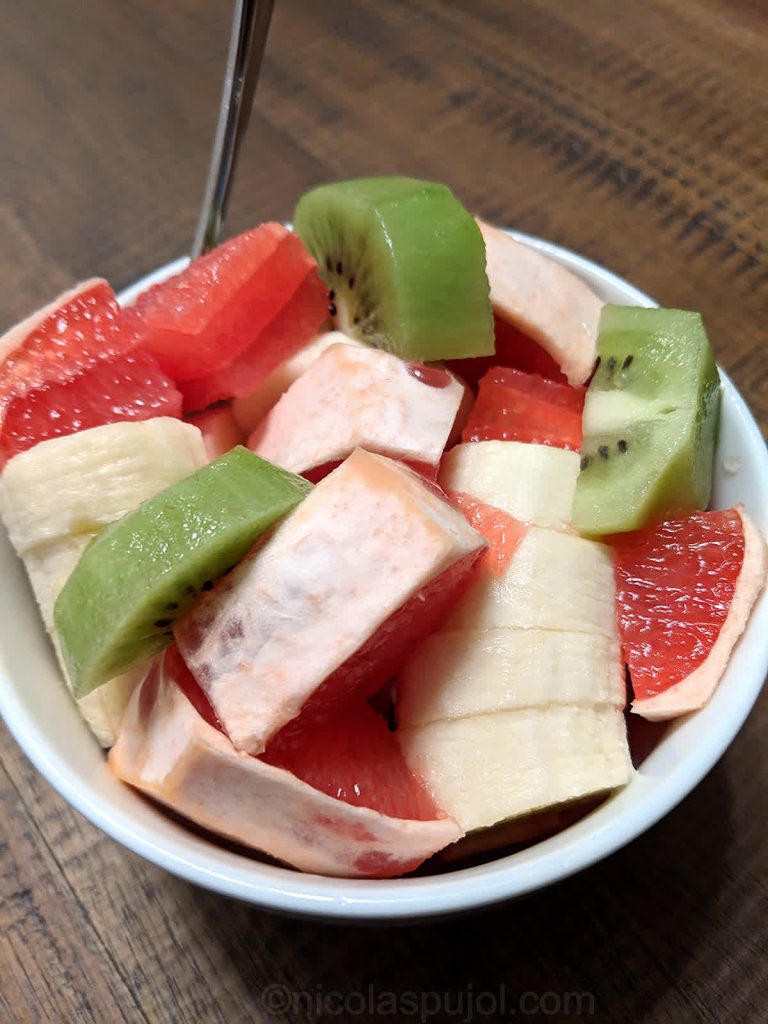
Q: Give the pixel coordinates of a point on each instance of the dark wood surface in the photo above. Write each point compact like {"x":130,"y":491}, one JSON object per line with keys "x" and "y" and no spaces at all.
{"x":632,"y":131}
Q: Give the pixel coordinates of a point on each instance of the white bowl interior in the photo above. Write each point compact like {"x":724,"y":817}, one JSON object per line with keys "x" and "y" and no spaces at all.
{"x":45,"y":722}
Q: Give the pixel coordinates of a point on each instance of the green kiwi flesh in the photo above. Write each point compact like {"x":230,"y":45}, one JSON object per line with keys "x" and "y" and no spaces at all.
{"x":404,"y":263}
{"x":650,"y":421}
{"x":145,"y":570}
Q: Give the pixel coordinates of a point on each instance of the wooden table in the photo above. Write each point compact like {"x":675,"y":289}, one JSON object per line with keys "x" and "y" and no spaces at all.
{"x":632,"y":131}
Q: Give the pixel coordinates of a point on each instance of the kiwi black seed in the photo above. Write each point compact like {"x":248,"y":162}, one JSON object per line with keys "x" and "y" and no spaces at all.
{"x":622,"y":446}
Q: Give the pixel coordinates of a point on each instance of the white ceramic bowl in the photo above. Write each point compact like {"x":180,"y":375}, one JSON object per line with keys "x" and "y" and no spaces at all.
{"x":46,"y":724}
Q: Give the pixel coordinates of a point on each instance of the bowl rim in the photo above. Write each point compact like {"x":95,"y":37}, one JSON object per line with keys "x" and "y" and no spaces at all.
{"x":507,"y":877}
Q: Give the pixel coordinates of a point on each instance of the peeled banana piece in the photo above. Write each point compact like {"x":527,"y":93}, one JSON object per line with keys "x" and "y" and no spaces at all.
{"x":516,"y":704}
{"x":459,"y":673}
{"x":556,"y":581}
{"x":487,"y":768}
{"x":534,"y":483}
{"x":56,"y":497}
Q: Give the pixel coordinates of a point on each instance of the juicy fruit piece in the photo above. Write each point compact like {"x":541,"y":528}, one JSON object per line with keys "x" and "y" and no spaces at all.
{"x":650,"y":421}
{"x":300,"y":614}
{"x":250,"y":410}
{"x":491,"y":767}
{"x":352,"y":755}
{"x":458,"y":673}
{"x":144,"y":571}
{"x":286,"y":332}
{"x":513,"y":348}
{"x":201,"y":319}
{"x":354,"y":397}
{"x":168,"y":751}
{"x":113,"y":390}
{"x":220,"y":430}
{"x":685,"y":589}
{"x":533,"y":483}
{"x":76,"y":330}
{"x":543,"y":299}
{"x":57,"y":496}
{"x":516,"y":406}
{"x":404,"y":263}
{"x":502,"y":532}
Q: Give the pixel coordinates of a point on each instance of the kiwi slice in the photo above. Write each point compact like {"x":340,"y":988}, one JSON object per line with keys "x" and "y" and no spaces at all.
{"x":145,"y":570}
{"x":404,"y":263}
{"x":650,"y":421}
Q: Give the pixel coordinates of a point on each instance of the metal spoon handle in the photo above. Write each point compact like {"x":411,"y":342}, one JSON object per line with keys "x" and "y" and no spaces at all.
{"x":250,"y":25}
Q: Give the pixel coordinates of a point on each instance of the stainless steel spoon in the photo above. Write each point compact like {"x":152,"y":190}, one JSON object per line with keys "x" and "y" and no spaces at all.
{"x":250,"y":25}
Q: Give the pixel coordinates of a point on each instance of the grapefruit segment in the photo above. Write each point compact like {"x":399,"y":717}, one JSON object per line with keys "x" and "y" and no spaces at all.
{"x":112,"y":390}
{"x":287,"y":333}
{"x":352,"y":755}
{"x":514,"y":349}
{"x":502,"y":532}
{"x":330,"y":602}
{"x":685,"y":589}
{"x":75,"y":330}
{"x":516,"y":406}
{"x":201,"y":319}
{"x":168,"y":751}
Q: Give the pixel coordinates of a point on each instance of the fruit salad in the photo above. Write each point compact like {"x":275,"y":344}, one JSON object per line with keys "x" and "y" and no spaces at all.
{"x":365,"y":544}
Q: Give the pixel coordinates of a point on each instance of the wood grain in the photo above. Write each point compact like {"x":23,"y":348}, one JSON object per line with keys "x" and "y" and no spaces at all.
{"x":633,"y":132}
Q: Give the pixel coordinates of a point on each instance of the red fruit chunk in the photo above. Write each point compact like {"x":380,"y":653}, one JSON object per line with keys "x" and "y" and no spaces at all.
{"x":124,"y":387}
{"x":516,"y":406}
{"x":351,"y":755}
{"x":201,"y":319}
{"x":384,"y":653}
{"x":500,"y":529}
{"x":288,"y":331}
{"x":513,"y":348}
{"x":675,"y":583}
{"x":77,"y":329}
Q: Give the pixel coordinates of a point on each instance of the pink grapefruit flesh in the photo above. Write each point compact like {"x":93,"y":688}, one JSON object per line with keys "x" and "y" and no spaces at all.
{"x":121,"y":388}
{"x":80,"y":327}
{"x":684,"y":592}
{"x":172,"y":754}
{"x":198,"y":321}
{"x":352,"y":755}
{"x":516,"y":406}
{"x":501,"y":530}
{"x":289,"y":330}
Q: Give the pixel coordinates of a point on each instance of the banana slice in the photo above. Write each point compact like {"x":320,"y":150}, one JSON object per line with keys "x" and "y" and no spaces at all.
{"x":457,"y":674}
{"x":532,"y":482}
{"x":555,"y":581}
{"x":488,"y":768}
{"x":55,"y":498}
{"x":77,"y":484}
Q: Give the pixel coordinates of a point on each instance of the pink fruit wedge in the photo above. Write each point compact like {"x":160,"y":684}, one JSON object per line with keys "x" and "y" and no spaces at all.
{"x":75,"y":330}
{"x":112,"y":390}
{"x":198,"y":321}
{"x":685,"y":589}
{"x":168,"y":751}
{"x":516,"y":406}
{"x":355,"y":397}
{"x":544,"y":300}
{"x":285,"y":334}
{"x":331,"y":602}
